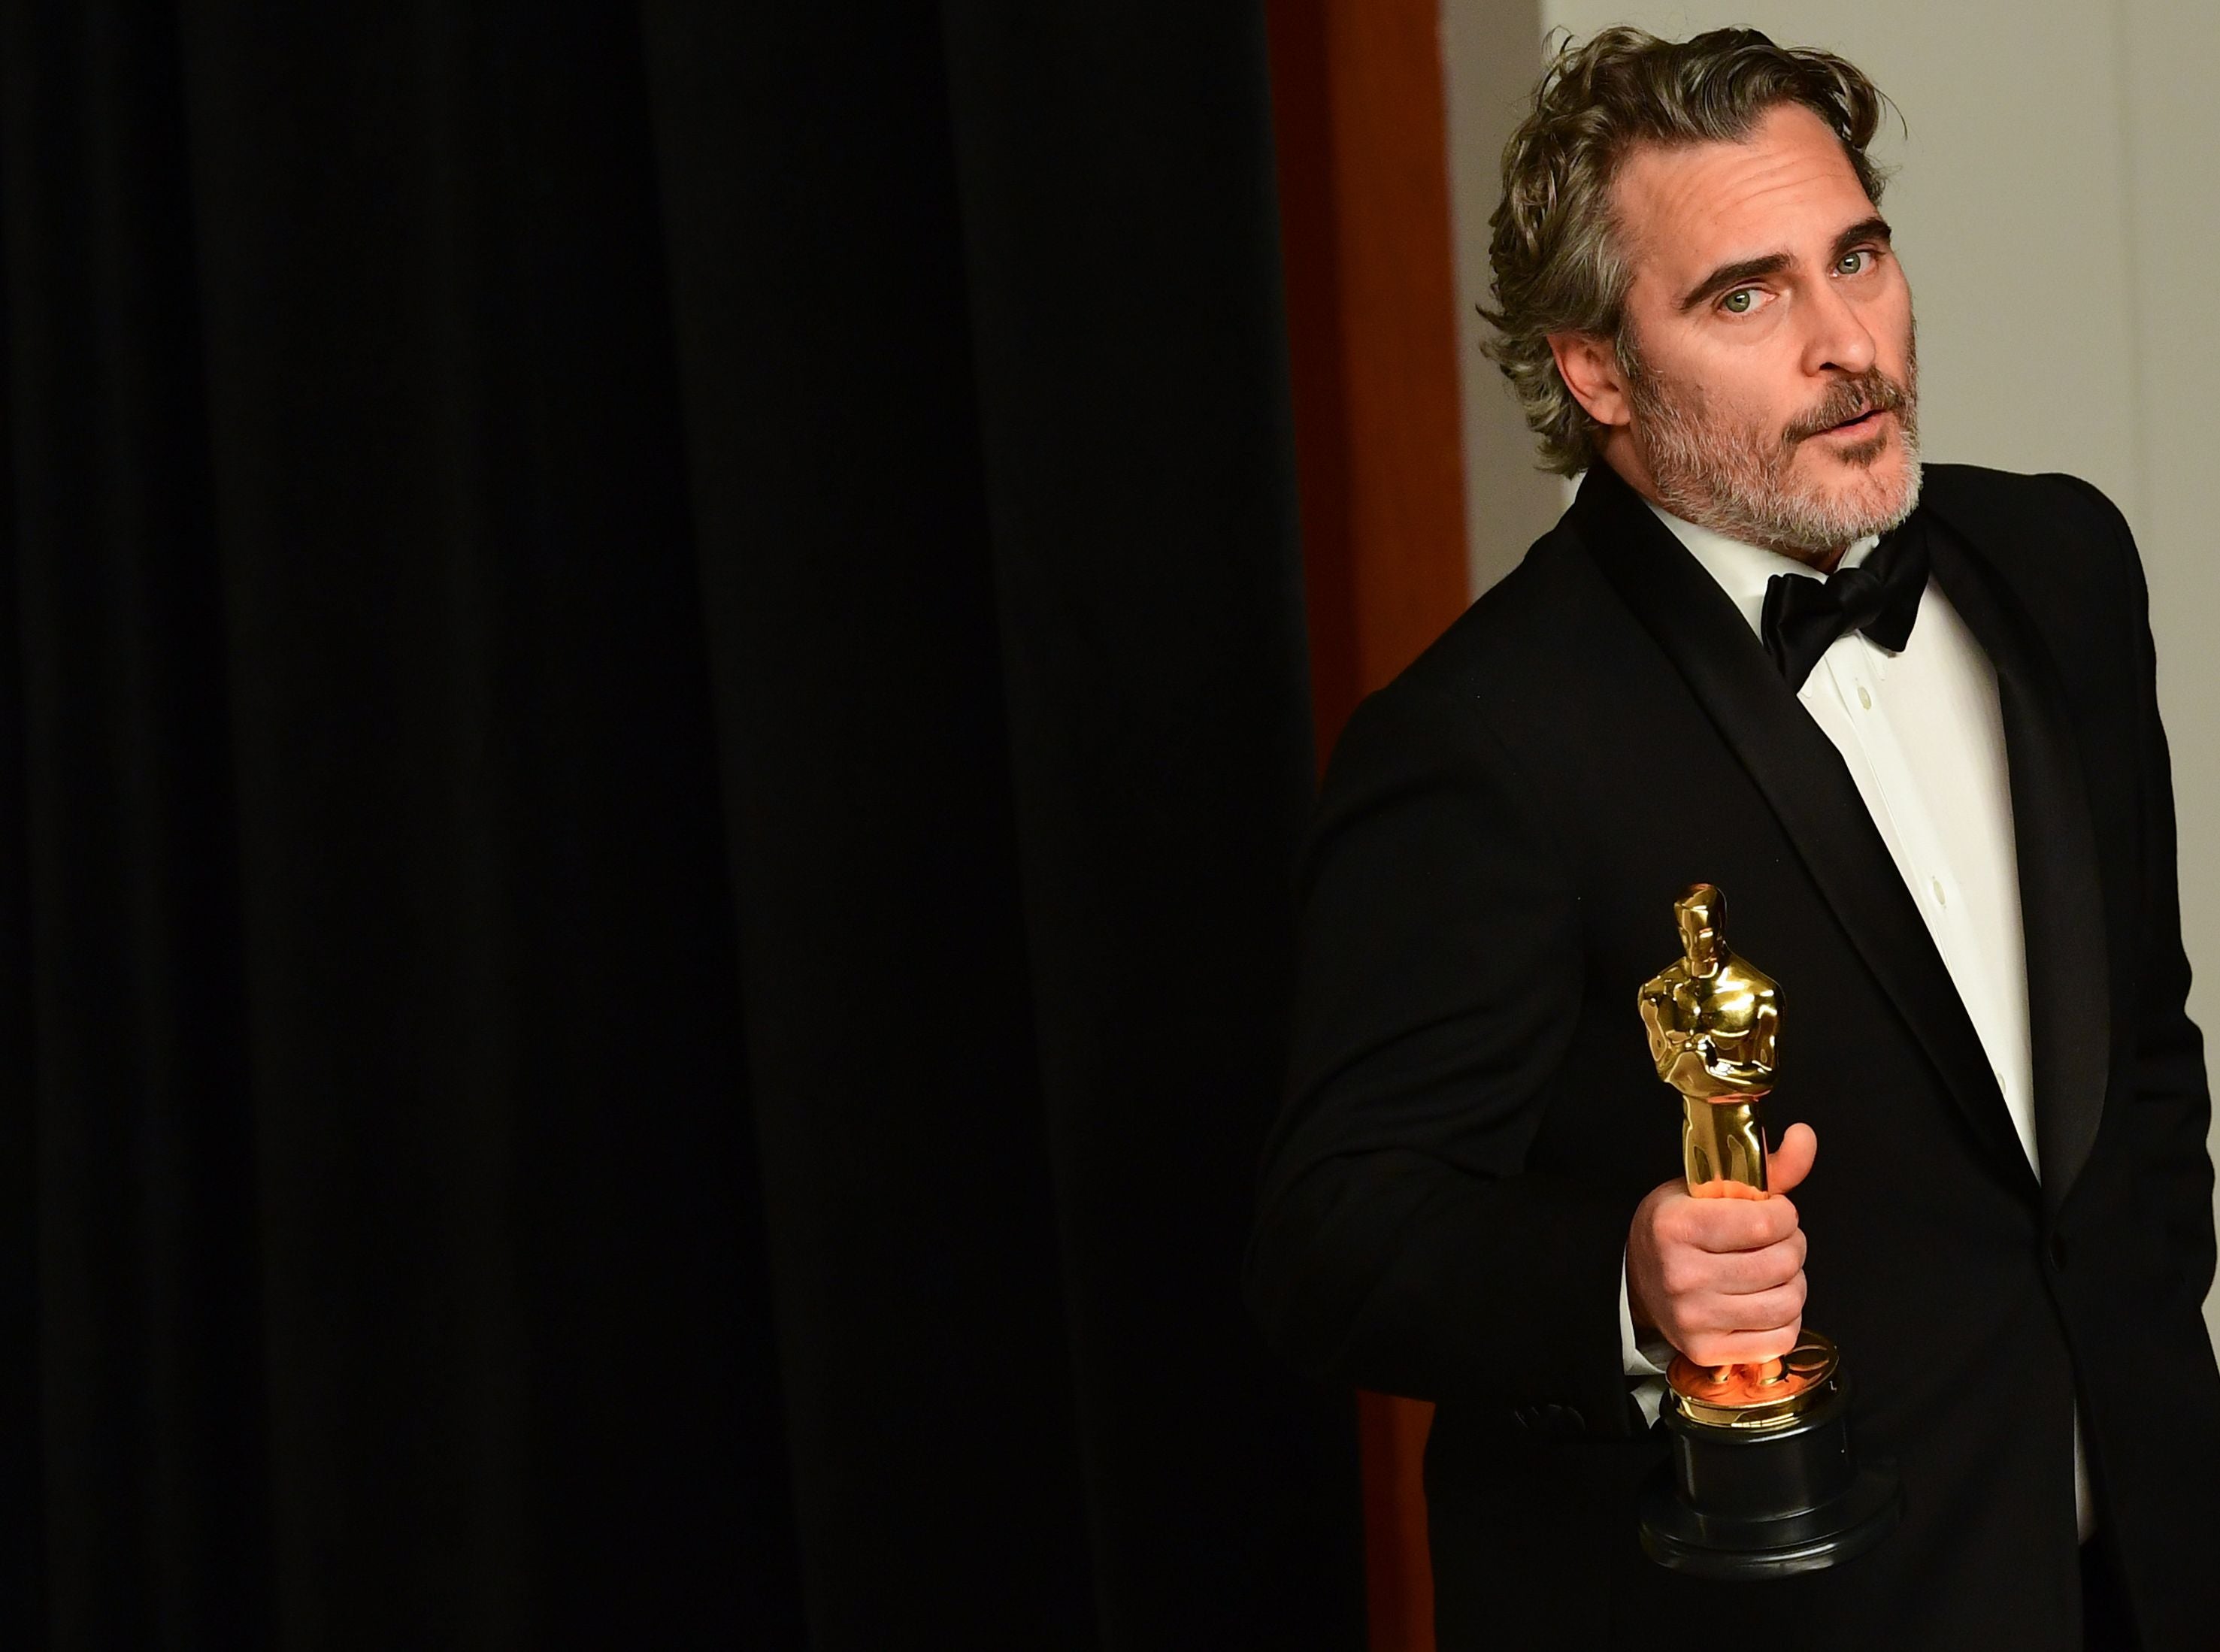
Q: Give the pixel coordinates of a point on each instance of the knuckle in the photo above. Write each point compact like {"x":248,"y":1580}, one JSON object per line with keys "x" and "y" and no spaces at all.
{"x":1770,"y":1266}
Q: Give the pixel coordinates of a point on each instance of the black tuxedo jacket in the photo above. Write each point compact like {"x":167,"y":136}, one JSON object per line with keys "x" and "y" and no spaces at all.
{"x":1473,"y":1116}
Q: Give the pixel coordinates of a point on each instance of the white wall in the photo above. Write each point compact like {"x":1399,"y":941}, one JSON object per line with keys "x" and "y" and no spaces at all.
{"x":2170,"y":131}
{"x":2054,"y":206}
{"x":1490,"y":52}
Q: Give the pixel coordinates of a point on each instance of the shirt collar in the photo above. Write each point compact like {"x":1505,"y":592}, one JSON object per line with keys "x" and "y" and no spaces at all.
{"x":1743,"y":570}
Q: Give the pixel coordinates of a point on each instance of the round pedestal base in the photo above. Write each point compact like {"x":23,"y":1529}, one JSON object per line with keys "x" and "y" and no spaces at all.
{"x":1748,"y":1504}
{"x":1678,"y":1538}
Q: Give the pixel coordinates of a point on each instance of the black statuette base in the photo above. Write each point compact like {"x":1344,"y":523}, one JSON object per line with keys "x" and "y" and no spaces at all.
{"x":1735,"y":1504}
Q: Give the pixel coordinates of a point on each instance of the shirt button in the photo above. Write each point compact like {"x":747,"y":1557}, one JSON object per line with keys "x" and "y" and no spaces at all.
{"x":1940,"y":899}
{"x":1864,"y":699}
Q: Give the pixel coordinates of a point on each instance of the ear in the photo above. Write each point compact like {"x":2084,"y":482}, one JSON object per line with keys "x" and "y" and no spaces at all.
{"x":1589,"y":366}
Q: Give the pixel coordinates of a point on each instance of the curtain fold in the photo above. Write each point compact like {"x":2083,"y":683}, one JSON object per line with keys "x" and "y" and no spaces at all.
{"x":835,"y":460}
{"x":1123,"y":255}
{"x":653,"y":722}
{"x":136,"y":1458}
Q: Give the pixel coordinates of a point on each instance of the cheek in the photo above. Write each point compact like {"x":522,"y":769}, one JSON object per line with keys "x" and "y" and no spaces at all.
{"x":1757,"y":386}
{"x":1891,"y":327}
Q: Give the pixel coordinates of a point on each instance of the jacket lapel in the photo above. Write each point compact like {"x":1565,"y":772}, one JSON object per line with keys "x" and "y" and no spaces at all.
{"x":1803,"y":778}
{"x":2061,"y":904}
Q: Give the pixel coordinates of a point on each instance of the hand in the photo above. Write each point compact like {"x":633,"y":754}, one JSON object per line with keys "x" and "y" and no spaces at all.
{"x":1722,"y":1279}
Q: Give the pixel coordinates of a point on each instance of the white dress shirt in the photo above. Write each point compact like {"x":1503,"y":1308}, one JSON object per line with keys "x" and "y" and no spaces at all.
{"x":1922,"y":733}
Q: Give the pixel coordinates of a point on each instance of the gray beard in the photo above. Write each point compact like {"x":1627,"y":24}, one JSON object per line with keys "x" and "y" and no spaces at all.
{"x":1736,"y":481}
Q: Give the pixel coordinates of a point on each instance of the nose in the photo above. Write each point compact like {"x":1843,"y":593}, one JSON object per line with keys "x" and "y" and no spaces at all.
{"x":1836,"y":336}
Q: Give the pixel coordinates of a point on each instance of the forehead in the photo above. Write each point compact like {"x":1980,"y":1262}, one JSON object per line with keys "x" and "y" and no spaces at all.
{"x":1686,"y":210}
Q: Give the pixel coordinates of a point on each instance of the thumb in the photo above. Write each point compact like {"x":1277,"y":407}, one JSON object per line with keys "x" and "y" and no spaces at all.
{"x":1792,"y":1161}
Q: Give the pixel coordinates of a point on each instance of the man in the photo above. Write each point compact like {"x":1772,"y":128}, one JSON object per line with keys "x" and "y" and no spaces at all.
{"x":1906,"y":721}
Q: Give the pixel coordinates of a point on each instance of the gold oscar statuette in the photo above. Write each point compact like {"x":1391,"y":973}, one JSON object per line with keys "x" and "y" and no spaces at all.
{"x":1762,"y":1482}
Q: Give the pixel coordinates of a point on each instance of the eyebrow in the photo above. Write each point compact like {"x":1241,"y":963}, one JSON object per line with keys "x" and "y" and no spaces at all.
{"x":1874,"y":228}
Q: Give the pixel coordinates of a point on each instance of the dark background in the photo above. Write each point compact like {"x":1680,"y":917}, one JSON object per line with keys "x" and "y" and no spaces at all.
{"x":652,"y":719}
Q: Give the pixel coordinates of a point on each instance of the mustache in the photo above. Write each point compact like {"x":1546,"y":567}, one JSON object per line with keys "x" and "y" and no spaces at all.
{"x":1871,"y":391}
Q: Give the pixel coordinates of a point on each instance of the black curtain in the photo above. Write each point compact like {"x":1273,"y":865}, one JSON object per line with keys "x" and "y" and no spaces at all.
{"x":651,"y":720}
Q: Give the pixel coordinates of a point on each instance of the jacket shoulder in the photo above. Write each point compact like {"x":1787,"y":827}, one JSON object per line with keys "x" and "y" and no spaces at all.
{"x":1981,"y":502}
{"x":1516,"y":625}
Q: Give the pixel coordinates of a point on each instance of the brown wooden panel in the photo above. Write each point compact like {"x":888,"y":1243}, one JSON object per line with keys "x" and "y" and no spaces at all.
{"x":1365,"y":231}
{"x":1371,"y":312}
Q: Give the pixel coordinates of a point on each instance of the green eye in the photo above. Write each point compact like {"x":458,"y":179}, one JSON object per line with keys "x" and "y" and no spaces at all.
{"x":1853,"y":263}
{"x":1738,"y":303}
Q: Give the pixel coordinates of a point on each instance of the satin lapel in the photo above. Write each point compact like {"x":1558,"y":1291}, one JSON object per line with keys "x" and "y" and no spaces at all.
{"x":1804,"y":780}
{"x":2061,"y":906}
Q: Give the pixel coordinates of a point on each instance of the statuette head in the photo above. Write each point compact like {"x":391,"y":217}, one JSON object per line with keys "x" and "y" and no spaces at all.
{"x":1701,"y":913}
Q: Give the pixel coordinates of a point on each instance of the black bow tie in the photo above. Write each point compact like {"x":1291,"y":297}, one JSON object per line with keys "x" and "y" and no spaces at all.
{"x":1879,"y":598}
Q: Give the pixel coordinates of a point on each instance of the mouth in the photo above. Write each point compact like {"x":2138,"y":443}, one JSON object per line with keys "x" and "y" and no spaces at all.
{"x":1859,"y":425}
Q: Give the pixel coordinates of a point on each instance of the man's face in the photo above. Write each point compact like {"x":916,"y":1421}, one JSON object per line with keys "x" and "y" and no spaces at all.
{"x":1771,"y":388}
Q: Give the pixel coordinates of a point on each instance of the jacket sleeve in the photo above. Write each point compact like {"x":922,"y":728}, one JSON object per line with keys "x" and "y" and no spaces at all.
{"x":1402,"y":1243}
{"x":2170,"y":1085}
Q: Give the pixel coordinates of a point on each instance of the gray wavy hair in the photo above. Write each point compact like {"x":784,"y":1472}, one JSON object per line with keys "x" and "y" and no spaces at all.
{"x":1555,"y":252}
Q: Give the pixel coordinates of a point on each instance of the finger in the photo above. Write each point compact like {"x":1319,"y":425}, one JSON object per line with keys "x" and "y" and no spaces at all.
{"x":1740,"y":1347}
{"x":1665,"y":1191}
{"x":1721,"y":1225}
{"x":1787,"y":1167}
{"x":1772,"y":1310}
{"x":1686,"y":1272}
{"x":1745,"y":1273}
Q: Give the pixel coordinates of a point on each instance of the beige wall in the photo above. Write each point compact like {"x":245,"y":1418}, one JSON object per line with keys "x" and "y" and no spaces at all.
{"x":2055,"y":207}
{"x":1491,"y":52}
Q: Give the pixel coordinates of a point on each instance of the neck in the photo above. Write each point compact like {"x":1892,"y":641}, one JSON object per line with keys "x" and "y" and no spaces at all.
{"x":1618,"y":451}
